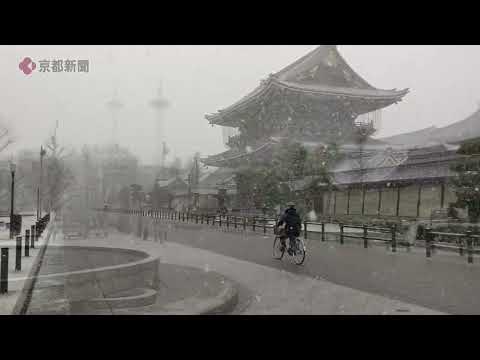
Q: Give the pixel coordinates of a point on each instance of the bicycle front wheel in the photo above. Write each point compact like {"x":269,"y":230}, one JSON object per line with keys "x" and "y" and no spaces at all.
{"x":277,"y":249}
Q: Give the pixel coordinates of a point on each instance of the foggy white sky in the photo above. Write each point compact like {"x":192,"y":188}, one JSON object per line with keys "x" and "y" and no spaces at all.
{"x":444,"y":83}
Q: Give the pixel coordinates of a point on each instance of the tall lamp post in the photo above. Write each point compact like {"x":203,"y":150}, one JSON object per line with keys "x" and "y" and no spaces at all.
{"x":12,"y":170}
{"x":189,"y":192}
{"x":39,"y":189}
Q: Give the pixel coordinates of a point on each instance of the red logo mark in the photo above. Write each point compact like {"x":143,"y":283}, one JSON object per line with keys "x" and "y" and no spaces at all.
{"x":27,"y":66}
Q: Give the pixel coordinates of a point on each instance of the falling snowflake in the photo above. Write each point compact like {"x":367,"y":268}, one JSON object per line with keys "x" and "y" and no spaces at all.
{"x":312,"y":215}
{"x":206,"y":268}
{"x":258,"y":298}
{"x":248,"y":149}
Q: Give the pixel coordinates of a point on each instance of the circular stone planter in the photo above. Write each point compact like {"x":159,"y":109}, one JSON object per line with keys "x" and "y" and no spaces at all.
{"x":130,"y":285}
{"x":102,"y":273}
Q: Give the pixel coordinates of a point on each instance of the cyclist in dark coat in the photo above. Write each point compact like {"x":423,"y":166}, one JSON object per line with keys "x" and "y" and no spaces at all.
{"x":293,"y":224}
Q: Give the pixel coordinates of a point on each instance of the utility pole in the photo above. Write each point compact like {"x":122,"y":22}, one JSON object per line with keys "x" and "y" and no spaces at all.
{"x":54,"y":148}
{"x":189,"y":192}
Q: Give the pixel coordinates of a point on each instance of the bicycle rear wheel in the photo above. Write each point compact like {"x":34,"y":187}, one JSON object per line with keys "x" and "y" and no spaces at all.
{"x":300,"y":252}
{"x":277,"y":251}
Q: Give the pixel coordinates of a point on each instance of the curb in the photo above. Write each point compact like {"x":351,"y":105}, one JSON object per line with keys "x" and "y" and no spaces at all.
{"x":226,"y":301}
{"x":222,"y":304}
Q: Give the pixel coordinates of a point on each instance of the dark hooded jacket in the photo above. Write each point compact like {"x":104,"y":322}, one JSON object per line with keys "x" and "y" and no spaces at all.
{"x":292,"y":221}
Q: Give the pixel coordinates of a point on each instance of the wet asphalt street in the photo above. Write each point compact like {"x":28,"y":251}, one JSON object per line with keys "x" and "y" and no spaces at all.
{"x":444,"y":282}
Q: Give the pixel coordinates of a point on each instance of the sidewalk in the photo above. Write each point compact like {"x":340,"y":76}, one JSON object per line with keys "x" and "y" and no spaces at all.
{"x":19,"y":281}
{"x":274,"y":291}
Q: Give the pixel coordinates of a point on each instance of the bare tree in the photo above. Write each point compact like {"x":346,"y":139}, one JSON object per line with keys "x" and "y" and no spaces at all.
{"x":6,"y":134}
{"x":59,"y":175}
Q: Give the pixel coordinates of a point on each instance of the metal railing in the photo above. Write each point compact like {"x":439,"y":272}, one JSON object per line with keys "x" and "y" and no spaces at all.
{"x":464,"y":241}
{"x":254,"y":223}
{"x":259,"y":223}
{"x":265,"y":224}
{"x":368,"y":233}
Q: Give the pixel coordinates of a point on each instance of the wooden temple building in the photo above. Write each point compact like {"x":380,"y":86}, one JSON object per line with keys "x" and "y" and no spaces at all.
{"x":315,"y":101}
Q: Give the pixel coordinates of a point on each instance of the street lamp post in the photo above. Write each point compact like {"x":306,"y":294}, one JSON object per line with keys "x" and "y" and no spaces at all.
{"x":189,"y":192}
{"x":12,"y":170}
{"x":39,"y":189}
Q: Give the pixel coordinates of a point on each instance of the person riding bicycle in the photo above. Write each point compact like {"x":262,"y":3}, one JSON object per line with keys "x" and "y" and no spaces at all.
{"x":293,"y":224}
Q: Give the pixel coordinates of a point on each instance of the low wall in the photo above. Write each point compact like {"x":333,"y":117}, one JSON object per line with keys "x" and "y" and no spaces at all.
{"x":117,"y":270}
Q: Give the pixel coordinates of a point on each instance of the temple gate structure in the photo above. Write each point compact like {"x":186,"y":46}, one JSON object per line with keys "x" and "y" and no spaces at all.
{"x":317,"y":100}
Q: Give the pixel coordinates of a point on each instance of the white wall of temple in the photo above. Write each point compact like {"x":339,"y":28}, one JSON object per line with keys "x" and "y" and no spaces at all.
{"x":372,"y":197}
{"x":430,"y":199}
{"x":388,"y":202}
{"x":406,"y":200}
{"x":207,"y":202}
{"x":409,"y":200}
{"x":341,"y":198}
{"x":355,"y":204}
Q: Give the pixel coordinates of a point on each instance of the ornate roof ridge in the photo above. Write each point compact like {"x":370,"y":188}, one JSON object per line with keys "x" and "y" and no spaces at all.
{"x":311,"y":74}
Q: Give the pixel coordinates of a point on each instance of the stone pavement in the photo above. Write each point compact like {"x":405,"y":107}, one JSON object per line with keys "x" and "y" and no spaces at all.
{"x":273,"y":291}
{"x":183,"y":290}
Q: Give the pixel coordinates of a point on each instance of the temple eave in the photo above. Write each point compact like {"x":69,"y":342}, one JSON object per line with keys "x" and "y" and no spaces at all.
{"x":232,"y":115}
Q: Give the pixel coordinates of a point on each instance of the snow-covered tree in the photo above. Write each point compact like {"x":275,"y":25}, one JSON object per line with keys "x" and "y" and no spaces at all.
{"x":466,"y":181}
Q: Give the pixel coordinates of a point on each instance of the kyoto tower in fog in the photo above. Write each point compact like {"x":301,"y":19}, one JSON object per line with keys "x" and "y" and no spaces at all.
{"x":159,"y":104}
{"x":115,"y":105}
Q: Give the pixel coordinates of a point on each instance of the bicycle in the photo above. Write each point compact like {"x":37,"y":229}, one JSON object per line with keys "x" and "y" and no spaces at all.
{"x":298,"y":255}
